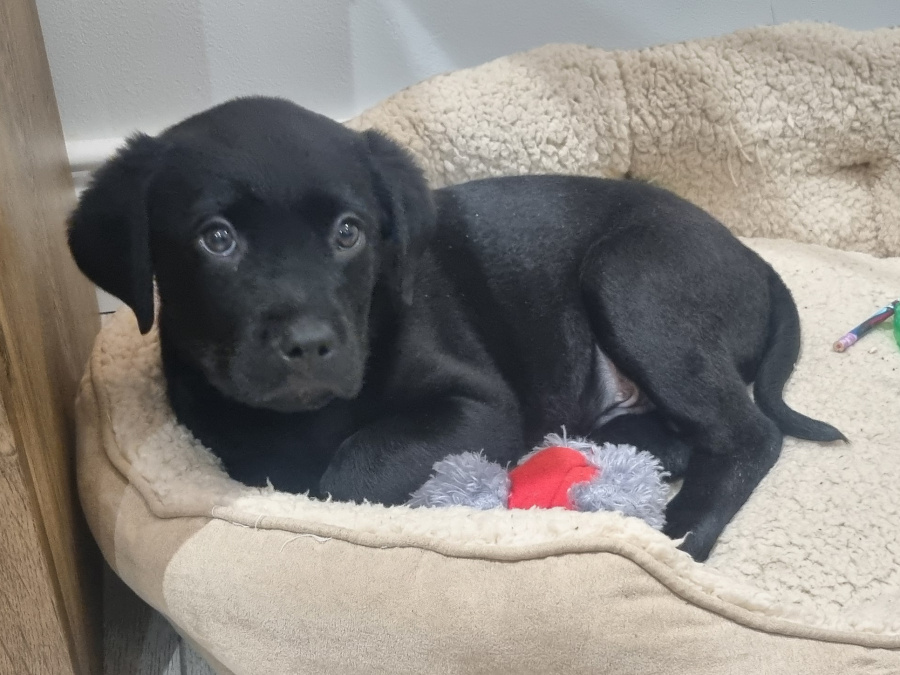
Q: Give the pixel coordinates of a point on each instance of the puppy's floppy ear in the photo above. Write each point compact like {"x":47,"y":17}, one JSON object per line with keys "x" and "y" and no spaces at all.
{"x":109,"y":234}
{"x":408,"y":208}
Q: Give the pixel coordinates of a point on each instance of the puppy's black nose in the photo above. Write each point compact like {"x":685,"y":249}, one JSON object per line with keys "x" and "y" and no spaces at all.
{"x":309,"y":340}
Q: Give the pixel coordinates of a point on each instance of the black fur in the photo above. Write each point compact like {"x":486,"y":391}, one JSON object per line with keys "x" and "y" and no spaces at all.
{"x":469,"y":318}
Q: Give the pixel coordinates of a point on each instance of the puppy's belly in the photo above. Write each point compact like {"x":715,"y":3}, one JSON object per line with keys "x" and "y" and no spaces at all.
{"x":615,"y":394}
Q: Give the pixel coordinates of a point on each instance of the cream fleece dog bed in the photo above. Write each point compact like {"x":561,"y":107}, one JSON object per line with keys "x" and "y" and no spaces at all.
{"x":787,"y":133}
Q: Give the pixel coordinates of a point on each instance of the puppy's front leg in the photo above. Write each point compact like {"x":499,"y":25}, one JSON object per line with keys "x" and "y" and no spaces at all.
{"x":389,"y":459}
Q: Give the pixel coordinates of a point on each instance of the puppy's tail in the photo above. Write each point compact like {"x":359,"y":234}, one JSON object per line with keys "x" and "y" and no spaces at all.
{"x":776,"y":367}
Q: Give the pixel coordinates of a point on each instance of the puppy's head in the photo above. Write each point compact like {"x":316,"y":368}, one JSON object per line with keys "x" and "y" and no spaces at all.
{"x":267,"y":228}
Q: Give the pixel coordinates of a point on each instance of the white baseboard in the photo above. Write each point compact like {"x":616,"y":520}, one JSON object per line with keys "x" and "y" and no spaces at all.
{"x":87,"y":155}
{"x":107,"y":303}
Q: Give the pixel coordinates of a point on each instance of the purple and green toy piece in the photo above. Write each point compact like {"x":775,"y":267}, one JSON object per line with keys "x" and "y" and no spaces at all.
{"x":897,"y":322}
{"x":878,"y":317}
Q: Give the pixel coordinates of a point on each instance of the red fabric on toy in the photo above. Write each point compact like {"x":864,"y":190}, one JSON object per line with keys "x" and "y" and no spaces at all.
{"x":545,"y":478}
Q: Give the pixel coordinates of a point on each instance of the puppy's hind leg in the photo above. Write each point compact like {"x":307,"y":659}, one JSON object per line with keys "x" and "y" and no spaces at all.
{"x":731,"y":445}
{"x":731,"y":459}
{"x":647,"y":319}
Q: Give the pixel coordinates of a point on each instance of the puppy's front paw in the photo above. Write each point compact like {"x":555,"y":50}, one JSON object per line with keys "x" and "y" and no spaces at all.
{"x":346,"y":480}
{"x":337,"y":484}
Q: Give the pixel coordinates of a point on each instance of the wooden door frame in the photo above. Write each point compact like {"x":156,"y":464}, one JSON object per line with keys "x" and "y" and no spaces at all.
{"x":50,"y":609}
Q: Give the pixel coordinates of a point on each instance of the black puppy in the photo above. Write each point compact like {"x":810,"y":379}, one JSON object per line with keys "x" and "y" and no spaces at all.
{"x":329,"y":323}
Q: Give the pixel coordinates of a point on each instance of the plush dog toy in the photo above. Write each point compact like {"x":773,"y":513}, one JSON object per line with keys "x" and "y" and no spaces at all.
{"x":569,"y":473}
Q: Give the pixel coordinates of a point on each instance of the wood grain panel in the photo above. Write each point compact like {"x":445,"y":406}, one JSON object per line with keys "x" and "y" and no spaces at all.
{"x":48,"y":319}
{"x":33,"y":641}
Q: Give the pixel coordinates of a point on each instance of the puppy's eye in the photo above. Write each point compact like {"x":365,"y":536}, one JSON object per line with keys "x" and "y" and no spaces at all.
{"x":348,"y":233}
{"x":218,"y":237}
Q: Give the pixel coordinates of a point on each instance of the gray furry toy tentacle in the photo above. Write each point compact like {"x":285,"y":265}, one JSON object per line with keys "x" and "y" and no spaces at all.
{"x":468,"y":479}
{"x":630,"y":482}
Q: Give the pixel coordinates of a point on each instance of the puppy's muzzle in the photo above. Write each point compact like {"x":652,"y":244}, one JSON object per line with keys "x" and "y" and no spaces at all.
{"x":301,"y":353}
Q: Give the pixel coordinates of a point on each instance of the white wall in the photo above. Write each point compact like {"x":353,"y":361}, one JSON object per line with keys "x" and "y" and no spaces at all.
{"x":122,"y":65}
